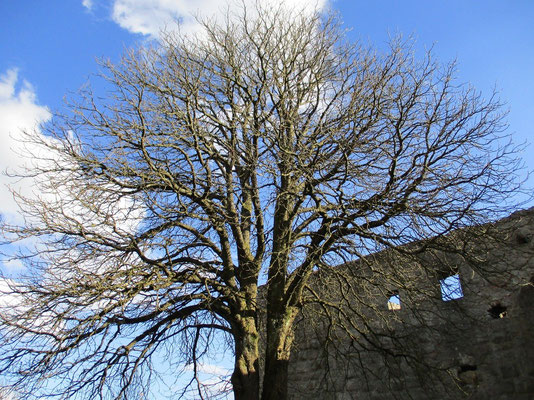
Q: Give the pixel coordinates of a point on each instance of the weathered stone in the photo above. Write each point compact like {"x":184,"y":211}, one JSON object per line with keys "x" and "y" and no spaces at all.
{"x":487,"y":347}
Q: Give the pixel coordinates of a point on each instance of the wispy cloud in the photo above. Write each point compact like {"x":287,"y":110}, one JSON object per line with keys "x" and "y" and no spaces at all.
{"x":88,"y":4}
{"x":7,"y":298}
{"x":213,"y":379}
{"x":19,"y":153}
{"x":6,"y":394}
{"x":210,"y":369}
{"x":149,"y":17}
{"x":19,"y":111}
{"x":13,"y":264}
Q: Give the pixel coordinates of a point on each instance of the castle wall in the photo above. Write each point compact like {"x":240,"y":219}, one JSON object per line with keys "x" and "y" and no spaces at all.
{"x":479,"y":346}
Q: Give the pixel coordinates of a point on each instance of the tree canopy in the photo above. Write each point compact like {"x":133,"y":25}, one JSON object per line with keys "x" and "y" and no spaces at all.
{"x":251,"y":156}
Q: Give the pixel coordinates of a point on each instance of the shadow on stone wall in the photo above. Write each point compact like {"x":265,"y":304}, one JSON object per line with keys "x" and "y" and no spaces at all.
{"x":476,"y":345}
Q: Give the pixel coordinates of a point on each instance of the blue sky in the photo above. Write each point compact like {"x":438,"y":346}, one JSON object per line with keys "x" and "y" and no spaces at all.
{"x":49,"y":49}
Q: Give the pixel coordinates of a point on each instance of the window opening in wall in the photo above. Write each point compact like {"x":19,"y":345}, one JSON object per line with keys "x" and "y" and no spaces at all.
{"x":451,"y":288}
{"x":394,"y":301}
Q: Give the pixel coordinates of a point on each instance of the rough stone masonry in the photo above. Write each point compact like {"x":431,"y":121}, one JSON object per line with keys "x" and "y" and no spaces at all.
{"x":477,"y":344}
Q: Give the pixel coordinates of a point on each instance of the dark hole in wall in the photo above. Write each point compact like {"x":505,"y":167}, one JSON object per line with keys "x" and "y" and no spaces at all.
{"x":467,"y":374}
{"x":497,"y":310}
{"x":467,"y":367}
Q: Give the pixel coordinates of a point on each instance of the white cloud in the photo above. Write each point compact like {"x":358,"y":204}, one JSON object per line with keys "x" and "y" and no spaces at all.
{"x":7,"y":394}
{"x":18,"y":306}
{"x":68,"y":201}
{"x":19,"y":111}
{"x":13,"y":264}
{"x":7,"y":298}
{"x":88,"y":4}
{"x":213,"y":379}
{"x":149,"y":17}
{"x":210,"y":369}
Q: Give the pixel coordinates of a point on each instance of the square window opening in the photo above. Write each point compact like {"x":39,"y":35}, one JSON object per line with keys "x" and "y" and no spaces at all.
{"x":451,"y":288}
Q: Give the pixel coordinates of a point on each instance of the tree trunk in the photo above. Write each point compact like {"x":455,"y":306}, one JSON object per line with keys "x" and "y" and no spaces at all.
{"x":278,"y":351}
{"x":245,"y":378}
{"x":275,"y":379}
{"x":245,"y":384}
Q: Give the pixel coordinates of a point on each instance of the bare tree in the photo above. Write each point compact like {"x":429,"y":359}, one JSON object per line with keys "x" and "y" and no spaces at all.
{"x":265,"y":150}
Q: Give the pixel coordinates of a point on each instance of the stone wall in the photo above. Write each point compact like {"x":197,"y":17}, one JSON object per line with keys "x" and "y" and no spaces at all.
{"x":479,"y":346}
